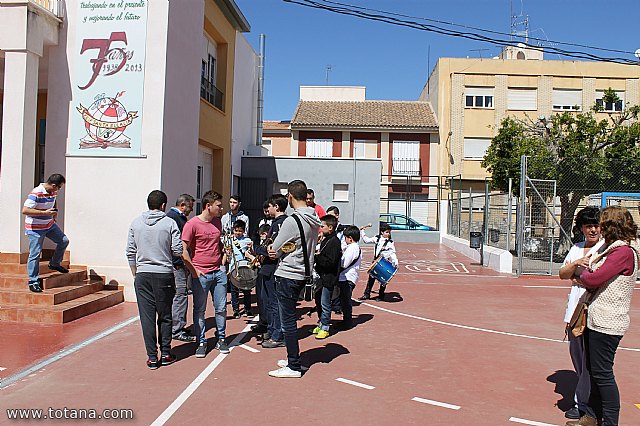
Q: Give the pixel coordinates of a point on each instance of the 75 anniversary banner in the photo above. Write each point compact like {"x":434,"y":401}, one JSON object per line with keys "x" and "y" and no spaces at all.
{"x":108,"y":79}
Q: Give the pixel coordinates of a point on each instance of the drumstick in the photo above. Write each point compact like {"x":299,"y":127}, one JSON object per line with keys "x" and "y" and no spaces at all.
{"x":368,"y":225}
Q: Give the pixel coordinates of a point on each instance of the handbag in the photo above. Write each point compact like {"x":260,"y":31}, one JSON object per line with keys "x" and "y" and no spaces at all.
{"x":309,"y":289}
{"x":578,"y":321}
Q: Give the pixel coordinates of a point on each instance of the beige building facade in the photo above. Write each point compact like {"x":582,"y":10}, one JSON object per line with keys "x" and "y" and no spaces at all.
{"x":471,"y":96}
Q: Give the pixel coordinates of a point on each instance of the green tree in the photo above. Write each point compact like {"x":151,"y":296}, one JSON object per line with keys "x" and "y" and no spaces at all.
{"x":585,"y":154}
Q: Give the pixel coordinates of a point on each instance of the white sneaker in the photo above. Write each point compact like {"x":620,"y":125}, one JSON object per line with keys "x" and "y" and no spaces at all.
{"x":285,"y":372}
{"x":282,"y":363}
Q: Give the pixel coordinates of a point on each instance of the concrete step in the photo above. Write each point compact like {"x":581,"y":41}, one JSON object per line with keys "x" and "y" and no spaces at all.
{"x":21,"y":268}
{"x":49,"y":279}
{"x":23,"y":257}
{"x":49,"y":297}
{"x":63,"y":312}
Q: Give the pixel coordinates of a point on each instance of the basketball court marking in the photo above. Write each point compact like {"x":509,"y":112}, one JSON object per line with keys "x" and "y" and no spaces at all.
{"x":249,"y":348}
{"x":354,"y":383}
{"x":544,"y":286}
{"x":529,"y":422}
{"x":466,"y":327}
{"x":29,"y":372}
{"x":436,"y":403}
{"x":2,"y":368}
{"x":195,"y":384}
{"x":637,"y":405}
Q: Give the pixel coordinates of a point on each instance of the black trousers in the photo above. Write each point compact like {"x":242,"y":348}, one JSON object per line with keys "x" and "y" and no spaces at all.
{"x":370,"y":283}
{"x":264,"y":316}
{"x":604,"y":401}
{"x":155,"y":292}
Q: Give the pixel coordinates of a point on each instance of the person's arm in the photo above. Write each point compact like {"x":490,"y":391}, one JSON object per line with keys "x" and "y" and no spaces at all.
{"x":365,"y":239}
{"x":288,"y":231}
{"x":392,"y":254}
{"x":618,"y":262}
{"x":568,"y":270}
{"x":176,"y":241}
{"x":131,"y":252}
{"x":28,"y":211}
{"x":186,"y":258}
{"x":349,"y":256}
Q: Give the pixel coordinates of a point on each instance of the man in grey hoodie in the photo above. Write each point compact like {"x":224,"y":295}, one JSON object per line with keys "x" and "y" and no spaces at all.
{"x":153,"y":242}
{"x":290,"y":273}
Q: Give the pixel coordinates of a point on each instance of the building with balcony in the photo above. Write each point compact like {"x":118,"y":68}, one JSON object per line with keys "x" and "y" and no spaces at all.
{"x":471,"y":96}
{"x":122,"y":98}
{"x":339,"y":122}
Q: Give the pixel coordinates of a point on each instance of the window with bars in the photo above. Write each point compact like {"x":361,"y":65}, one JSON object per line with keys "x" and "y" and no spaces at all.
{"x":406,"y":158}
{"x":319,"y":148}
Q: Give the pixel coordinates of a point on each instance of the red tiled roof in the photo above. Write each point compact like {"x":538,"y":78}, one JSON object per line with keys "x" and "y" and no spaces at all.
{"x":412,"y":115}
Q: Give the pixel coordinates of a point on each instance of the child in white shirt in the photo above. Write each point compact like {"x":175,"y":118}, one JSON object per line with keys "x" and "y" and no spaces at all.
{"x":350,"y":266}
{"x":385,"y":248}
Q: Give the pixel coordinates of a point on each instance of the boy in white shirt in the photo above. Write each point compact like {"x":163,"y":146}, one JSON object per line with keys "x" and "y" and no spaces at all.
{"x":350,"y":266}
{"x":385,"y":248}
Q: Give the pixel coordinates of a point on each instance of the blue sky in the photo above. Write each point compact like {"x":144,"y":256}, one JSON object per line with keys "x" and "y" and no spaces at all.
{"x":392,"y":62}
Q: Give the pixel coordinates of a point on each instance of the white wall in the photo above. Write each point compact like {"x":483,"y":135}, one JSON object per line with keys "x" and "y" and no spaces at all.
{"x":332,"y":93}
{"x":245,"y":101}
{"x":103,"y":195}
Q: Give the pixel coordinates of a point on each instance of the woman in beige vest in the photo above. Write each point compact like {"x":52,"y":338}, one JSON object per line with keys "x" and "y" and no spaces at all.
{"x":611,"y":278}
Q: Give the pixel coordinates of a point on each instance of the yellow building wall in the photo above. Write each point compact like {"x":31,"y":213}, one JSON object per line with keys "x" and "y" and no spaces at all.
{"x":543,"y":75}
{"x":215,"y":125}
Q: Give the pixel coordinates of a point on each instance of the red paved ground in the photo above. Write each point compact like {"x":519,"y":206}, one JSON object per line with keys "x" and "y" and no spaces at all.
{"x":492,"y":377}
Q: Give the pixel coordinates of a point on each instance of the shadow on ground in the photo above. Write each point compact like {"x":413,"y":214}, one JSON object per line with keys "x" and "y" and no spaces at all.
{"x":565,"y":381}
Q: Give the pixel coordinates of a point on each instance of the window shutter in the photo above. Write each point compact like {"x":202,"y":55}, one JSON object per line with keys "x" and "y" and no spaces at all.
{"x":567,"y":97}
{"x":522,"y":99}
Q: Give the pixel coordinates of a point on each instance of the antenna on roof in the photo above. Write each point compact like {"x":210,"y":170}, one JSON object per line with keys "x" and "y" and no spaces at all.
{"x":328,"y":70}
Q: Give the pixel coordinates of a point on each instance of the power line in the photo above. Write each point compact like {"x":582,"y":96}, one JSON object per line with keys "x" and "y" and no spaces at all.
{"x":364,"y":13}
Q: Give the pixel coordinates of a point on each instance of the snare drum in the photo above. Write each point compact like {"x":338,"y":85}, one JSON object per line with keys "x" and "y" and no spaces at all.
{"x":244,"y":276}
{"x":382,"y":270}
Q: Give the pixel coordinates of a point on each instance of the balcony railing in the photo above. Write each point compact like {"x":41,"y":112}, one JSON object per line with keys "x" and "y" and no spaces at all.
{"x":406,"y":167}
{"x":211,"y":94}
{"x":52,"y":6}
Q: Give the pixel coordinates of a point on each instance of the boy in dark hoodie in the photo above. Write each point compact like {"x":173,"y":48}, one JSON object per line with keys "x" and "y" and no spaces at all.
{"x":327,"y":262}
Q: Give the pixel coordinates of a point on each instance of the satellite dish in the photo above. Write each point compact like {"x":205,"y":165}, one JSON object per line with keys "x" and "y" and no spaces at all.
{"x":637,"y":53}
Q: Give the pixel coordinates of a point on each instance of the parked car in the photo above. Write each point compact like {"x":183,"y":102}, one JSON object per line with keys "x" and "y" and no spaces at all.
{"x":400,"y":221}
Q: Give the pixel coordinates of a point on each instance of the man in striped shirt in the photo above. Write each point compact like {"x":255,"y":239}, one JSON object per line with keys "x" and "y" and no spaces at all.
{"x":40,"y":212}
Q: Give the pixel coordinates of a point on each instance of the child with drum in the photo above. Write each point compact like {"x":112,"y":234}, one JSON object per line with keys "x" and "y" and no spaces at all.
{"x":240,"y":251}
{"x":384,"y":248}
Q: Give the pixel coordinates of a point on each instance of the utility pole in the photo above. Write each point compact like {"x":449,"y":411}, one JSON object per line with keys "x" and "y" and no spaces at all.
{"x":328,"y":70}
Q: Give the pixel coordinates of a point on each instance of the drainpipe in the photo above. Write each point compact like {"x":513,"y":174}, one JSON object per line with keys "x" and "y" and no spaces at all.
{"x":260,"y":91}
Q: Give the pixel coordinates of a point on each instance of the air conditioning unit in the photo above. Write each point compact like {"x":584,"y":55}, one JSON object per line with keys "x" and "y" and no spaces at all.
{"x":522,"y":52}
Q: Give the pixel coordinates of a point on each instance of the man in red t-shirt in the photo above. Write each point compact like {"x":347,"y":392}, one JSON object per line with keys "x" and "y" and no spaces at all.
{"x":202,"y":255}
{"x":311,"y":202}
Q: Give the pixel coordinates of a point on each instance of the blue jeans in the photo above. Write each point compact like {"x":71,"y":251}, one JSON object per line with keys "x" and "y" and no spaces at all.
{"x":36,"y":241}
{"x":287,"y":291}
{"x":325,"y":307}
{"x":216,"y":283}
{"x":274,"y":326}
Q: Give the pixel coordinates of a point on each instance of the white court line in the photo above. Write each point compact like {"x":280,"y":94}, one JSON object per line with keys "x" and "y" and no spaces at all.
{"x":544,"y":286}
{"x":437,"y":403}
{"x":193,"y":386}
{"x":529,"y":422}
{"x":466,"y":327}
{"x":66,"y":352}
{"x":249,"y":348}
{"x":2,"y":368}
{"x":351,"y":382}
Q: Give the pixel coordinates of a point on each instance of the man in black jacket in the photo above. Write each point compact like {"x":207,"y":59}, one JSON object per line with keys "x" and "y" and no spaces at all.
{"x":180,"y":213}
{"x":327,"y":262}
{"x":273,"y":338}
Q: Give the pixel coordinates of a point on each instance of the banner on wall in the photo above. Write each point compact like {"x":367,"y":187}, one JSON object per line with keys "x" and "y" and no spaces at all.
{"x":108,"y":79}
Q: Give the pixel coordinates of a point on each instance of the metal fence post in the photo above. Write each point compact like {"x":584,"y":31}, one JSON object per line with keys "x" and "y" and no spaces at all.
{"x":521,"y":213}
{"x":509,"y":202}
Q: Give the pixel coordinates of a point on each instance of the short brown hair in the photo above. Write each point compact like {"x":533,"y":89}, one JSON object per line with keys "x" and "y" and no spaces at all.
{"x":210,"y":197}
{"x":616,"y":223}
{"x":298,"y":190}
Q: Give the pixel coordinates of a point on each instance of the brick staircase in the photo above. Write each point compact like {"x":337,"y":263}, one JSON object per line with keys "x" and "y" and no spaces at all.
{"x":66,"y":297}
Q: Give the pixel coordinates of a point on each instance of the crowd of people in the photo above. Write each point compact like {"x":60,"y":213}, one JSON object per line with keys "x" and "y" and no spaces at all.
{"x":172,"y":256}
